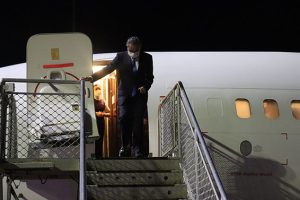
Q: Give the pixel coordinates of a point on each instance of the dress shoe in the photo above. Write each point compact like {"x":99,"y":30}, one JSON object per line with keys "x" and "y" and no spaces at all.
{"x":124,"y":152}
{"x":138,"y":155}
{"x":136,"y":152}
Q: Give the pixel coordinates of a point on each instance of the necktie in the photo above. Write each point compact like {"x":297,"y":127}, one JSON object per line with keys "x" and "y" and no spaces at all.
{"x":134,"y":68}
{"x":134,"y":72}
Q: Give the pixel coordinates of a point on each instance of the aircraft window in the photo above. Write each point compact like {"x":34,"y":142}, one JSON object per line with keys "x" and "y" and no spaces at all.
{"x":271,"y":109}
{"x":295,"y":105}
{"x":242,"y":107}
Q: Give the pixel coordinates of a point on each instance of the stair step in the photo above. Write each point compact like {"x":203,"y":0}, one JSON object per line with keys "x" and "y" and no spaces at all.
{"x":134,"y":178}
{"x":133,"y":164}
{"x":27,"y":165}
{"x":177,"y":191}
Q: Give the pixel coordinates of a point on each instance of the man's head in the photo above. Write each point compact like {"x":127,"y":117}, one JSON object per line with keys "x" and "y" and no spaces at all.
{"x":133,"y":46}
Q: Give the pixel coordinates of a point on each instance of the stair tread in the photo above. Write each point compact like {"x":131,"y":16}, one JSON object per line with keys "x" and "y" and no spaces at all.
{"x":135,"y":178}
{"x":177,"y":191}
{"x":129,"y":164}
{"x":128,"y":179}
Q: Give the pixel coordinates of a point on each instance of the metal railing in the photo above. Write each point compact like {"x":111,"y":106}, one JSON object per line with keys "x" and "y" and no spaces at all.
{"x":180,"y":136}
{"x":48,"y":124}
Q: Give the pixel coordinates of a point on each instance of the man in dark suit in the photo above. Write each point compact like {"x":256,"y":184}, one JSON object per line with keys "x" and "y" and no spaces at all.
{"x":135,"y":77}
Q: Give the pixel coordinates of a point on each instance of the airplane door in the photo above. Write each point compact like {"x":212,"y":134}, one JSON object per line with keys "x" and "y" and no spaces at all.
{"x":108,"y":84}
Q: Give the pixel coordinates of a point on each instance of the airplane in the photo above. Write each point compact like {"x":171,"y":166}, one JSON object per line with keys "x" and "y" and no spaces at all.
{"x":232,"y":95}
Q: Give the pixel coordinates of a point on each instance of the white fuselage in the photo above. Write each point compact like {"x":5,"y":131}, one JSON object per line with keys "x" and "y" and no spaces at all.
{"x":224,"y":77}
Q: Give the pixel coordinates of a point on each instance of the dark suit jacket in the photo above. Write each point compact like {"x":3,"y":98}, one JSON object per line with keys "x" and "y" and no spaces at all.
{"x":125,"y":78}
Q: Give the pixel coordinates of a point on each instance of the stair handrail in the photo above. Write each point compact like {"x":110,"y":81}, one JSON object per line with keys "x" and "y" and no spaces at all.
{"x":194,"y":123}
{"x":179,"y":90}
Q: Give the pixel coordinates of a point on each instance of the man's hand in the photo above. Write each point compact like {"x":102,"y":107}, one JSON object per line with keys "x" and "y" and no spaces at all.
{"x":87,"y":78}
{"x":142,"y":90}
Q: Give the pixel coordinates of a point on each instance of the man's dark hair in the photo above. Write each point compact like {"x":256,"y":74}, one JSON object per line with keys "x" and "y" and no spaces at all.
{"x":134,"y":40}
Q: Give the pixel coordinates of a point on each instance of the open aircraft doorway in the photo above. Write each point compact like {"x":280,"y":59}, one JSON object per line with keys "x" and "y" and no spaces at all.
{"x":108,"y":84}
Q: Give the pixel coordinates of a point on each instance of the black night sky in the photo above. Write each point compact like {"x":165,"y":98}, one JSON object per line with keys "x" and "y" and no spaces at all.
{"x":200,"y":25}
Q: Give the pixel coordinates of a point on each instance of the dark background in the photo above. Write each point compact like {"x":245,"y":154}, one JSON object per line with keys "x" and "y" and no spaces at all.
{"x":202,"y":25}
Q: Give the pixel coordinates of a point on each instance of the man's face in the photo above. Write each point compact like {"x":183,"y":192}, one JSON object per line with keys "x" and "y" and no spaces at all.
{"x":97,"y":91}
{"x":133,"y":48}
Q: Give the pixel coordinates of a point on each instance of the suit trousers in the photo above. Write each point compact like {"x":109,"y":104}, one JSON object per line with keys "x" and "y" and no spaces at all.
{"x":131,"y":116}
{"x":99,"y":142}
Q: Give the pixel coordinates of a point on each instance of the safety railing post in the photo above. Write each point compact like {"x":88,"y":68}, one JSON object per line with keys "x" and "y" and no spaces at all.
{"x":2,"y":136}
{"x":82,"y":166}
{"x":3,"y":122}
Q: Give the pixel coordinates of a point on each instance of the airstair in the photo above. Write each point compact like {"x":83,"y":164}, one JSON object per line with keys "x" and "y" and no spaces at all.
{"x":130,"y":178}
{"x":32,"y":149}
